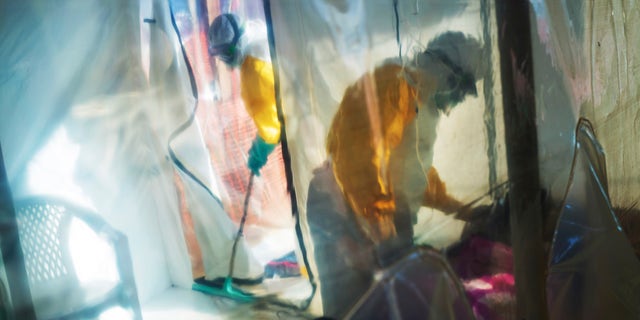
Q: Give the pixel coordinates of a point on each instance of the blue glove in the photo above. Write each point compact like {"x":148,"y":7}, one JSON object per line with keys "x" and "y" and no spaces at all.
{"x":258,"y":154}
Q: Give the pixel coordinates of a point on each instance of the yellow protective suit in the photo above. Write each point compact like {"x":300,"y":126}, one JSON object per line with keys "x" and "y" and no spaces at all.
{"x":368,"y":126}
{"x":258,"y":95}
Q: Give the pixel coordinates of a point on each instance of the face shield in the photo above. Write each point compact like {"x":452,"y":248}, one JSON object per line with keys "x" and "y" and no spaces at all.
{"x":224,"y":38}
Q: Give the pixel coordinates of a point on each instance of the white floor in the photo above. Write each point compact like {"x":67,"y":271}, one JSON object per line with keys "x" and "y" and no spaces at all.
{"x":178,"y":303}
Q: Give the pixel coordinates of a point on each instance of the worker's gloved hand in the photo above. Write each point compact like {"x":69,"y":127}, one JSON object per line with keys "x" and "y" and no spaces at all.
{"x":258,"y":154}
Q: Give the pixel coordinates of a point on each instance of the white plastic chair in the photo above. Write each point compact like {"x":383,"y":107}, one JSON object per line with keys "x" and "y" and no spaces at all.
{"x":44,"y":226}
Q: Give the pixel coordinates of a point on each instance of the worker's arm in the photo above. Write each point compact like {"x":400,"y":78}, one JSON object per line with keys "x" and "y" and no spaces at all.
{"x":258,"y":96}
{"x":436,"y":196}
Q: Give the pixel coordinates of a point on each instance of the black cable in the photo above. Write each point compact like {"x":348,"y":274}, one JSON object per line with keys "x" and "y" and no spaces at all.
{"x":184,"y":169}
{"x":287,"y":160}
{"x":245,"y":210}
{"x":192,"y":116}
{"x":395,"y":11}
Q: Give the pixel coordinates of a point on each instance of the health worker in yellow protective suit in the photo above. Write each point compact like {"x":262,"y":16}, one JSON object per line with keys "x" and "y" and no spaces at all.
{"x":250,"y":53}
{"x":244,"y":47}
{"x":363,"y":203}
{"x":381,"y":139}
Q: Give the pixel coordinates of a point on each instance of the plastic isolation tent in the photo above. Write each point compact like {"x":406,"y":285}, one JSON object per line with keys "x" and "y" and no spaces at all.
{"x":436,"y":159}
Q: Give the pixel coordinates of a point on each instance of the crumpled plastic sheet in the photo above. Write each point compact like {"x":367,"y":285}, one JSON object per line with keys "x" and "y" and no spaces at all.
{"x":421,"y":283}
{"x":593,"y":272}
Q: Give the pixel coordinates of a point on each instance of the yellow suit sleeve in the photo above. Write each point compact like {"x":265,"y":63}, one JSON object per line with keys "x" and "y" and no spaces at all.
{"x":258,"y":95}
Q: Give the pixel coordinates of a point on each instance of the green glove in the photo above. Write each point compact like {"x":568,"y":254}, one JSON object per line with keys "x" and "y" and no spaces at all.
{"x":258,"y":154}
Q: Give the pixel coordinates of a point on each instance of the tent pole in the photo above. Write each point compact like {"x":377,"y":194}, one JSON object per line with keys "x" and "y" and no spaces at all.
{"x":489,"y":99}
{"x":518,"y":89}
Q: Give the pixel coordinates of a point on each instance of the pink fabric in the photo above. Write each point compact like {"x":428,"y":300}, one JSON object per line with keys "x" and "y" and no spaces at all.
{"x":486,"y":270}
{"x":480,"y":257}
{"x":492,"y":297}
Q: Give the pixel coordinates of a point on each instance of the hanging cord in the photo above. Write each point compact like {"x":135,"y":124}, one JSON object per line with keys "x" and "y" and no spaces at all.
{"x":395,"y":11}
{"x":194,"y":91}
{"x":183,"y":168}
{"x":245,"y":210}
{"x":463,"y":212}
{"x":287,"y":164}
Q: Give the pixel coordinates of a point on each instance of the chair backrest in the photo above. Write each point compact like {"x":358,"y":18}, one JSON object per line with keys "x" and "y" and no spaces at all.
{"x":43,"y":231}
{"x":45,"y":226}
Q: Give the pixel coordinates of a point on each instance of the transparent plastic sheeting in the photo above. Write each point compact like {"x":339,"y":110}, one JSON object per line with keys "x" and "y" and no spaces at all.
{"x":615,"y":91}
{"x":561,"y":86}
{"x":93,"y":95}
{"x":584,"y":54}
{"x":227,"y":131}
{"x":421,"y":283}
{"x":593,"y":272}
{"x":90,"y":95}
{"x":581,"y":59}
{"x":366,"y":137}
